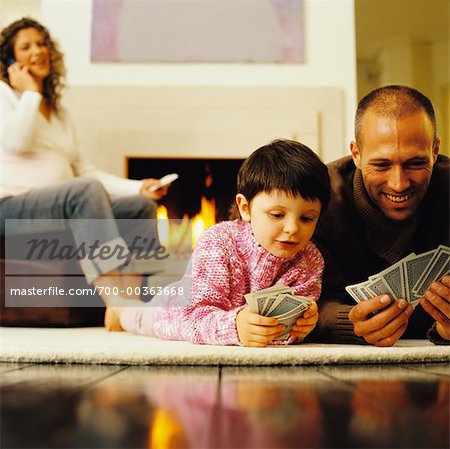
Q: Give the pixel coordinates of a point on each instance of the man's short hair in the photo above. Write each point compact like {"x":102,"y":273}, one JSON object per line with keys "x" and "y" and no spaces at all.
{"x":393,"y":101}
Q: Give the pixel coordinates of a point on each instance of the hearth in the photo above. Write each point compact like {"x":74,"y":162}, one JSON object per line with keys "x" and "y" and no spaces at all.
{"x":199,"y":198}
{"x":211,"y":179}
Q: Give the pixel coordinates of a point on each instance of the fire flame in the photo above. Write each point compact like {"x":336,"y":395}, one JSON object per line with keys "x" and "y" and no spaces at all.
{"x":173,"y":234}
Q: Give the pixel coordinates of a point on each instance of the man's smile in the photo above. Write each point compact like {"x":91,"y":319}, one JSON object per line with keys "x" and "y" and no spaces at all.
{"x":398,"y":198}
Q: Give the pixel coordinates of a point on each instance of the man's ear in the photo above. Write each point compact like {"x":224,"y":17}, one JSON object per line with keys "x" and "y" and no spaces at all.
{"x":243,"y":206}
{"x":436,"y":148}
{"x":356,"y":154}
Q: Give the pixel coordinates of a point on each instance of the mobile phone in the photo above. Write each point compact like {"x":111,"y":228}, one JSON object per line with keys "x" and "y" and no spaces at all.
{"x":9,"y":62}
{"x":168,"y":179}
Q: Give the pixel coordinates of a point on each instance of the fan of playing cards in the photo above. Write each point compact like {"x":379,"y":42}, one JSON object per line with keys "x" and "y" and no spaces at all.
{"x":409,"y":278}
{"x":279,"y":302}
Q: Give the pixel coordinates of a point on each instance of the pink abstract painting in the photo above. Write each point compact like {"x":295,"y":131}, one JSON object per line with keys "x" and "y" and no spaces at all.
{"x":264,"y":31}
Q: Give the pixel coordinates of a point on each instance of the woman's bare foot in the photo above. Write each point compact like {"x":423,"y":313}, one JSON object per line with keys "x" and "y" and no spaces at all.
{"x":112,"y":319}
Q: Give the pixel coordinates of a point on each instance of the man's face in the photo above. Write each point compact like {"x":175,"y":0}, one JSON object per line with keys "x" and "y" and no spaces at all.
{"x":396,"y":159}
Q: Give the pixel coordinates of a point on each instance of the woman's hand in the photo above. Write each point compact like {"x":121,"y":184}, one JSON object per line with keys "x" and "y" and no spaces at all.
{"x":256,"y":330}
{"x":21,"y":79}
{"x":155,"y":194}
{"x":306,"y":323}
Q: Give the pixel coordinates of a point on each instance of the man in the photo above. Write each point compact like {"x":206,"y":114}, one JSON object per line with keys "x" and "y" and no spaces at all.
{"x":390,"y":198}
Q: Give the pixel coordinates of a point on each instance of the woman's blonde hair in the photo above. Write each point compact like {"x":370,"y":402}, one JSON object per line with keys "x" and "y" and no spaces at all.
{"x":54,"y":83}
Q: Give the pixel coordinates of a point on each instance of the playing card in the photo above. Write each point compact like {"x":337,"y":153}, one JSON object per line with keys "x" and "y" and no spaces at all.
{"x":251,"y":301}
{"x":261,"y":299}
{"x":436,"y":251}
{"x":413,"y":269}
{"x":288,"y":322}
{"x":444,"y":271}
{"x":433,"y":270}
{"x":260,"y":304}
{"x":290,"y":318}
{"x":285,"y":303}
{"x":408,"y":278}
{"x":358,"y":291}
{"x":393,"y":278}
{"x":446,"y":267}
{"x":407,"y":294}
{"x":378,"y":286}
{"x":279,"y":302}
{"x":269,"y":302}
{"x":366,"y":292}
{"x":275,"y":289}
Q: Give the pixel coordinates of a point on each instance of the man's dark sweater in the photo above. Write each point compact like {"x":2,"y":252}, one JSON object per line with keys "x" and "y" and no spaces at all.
{"x":357,"y":241}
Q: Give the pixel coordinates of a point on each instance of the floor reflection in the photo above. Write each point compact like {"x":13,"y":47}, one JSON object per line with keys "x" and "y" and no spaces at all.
{"x":182,"y":407}
{"x":398,"y":407}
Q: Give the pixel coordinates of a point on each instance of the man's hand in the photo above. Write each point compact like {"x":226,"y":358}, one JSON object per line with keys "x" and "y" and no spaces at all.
{"x":156,"y":194}
{"x":305,"y":324}
{"x":21,"y":79}
{"x":436,"y":302}
{"x":386,"y":326}
{"x":256,"y":330}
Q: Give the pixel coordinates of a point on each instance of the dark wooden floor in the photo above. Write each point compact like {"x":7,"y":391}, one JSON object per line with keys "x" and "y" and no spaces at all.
{"x":80,"y":406}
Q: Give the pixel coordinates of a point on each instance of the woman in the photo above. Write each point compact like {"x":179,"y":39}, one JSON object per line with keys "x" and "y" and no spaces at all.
{"x":42,"y":173}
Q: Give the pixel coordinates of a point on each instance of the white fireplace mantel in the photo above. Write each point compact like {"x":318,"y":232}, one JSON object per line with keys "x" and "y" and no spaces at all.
{"x":213,"y":122}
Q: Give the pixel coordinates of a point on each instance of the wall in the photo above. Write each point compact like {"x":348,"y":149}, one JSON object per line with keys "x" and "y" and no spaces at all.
{"x":402,"y":42}
{"x":11,"y":10}
{"x":330,"y":54}
{"x":423,"y":65}
{"x":201,"y":121}
{"x":330,"y":58}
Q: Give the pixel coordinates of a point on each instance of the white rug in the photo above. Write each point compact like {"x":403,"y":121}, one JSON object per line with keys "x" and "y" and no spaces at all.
{"x":97,"y":346}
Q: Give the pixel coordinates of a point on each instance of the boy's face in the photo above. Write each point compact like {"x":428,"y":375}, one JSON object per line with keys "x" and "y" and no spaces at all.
{"x":282,"y":224}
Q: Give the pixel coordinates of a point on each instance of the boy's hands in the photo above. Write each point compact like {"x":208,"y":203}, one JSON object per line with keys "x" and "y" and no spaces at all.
{"x":306,"y":323}
{"x":256,"y":330}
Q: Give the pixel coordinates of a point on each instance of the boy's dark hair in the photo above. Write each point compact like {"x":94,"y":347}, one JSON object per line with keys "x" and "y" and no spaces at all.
{"x":393,"y":101}
{"x":284,"y":165}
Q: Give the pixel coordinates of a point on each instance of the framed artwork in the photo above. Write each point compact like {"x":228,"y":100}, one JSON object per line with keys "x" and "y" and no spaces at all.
{"x":240,"y":31}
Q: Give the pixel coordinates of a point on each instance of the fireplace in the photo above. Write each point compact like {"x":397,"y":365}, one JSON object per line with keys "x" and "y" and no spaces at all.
{"x":212,"y":179}
{"x":204,"y":191}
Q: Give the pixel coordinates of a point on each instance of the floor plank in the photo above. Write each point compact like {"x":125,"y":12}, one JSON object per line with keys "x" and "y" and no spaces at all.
{"x":6,"y":367}
{"x":155,"y":407}
{"x":39,"y":403}
{"x":394,"y":406}
{"x":82,"y":406}
{"x":438,"y":369}
{"x":52,"y":375}
{"x":282,"y":407}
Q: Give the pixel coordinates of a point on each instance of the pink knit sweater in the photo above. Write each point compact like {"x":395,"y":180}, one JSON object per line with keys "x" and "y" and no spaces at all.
{"x":227,"y":263}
